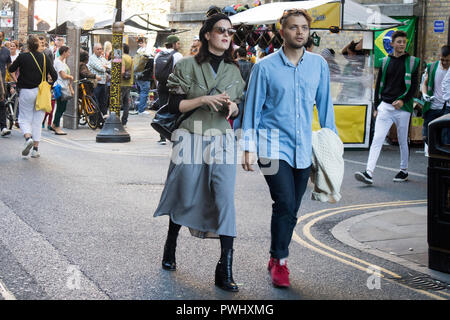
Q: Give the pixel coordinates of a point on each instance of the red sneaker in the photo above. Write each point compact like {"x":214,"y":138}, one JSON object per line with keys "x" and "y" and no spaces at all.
{"x":272,"y":262}
{"x":279,"y":274}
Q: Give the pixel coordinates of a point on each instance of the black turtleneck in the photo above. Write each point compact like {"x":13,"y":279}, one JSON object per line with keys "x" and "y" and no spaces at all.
{"x":215,"y":61}
{"x":175,"y":99}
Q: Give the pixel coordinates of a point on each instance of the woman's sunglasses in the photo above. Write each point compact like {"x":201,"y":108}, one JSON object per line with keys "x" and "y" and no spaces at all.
{"x":222,"y":30}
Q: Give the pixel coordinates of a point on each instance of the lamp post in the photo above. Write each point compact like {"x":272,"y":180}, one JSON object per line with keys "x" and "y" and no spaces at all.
{"x":112,"y":130}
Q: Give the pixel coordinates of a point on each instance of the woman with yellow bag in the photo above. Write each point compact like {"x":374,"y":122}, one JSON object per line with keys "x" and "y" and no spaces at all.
{"x":34,"y":90}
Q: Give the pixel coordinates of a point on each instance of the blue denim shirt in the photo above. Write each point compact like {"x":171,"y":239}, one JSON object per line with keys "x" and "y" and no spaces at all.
{"x":279,"y":105}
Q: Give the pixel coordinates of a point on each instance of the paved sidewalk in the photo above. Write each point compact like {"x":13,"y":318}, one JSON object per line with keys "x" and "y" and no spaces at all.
{"x":398,"y":235}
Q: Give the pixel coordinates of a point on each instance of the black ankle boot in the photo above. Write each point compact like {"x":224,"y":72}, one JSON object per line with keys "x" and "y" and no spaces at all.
{"x":168,"y":261}
{"x":224,"y":272}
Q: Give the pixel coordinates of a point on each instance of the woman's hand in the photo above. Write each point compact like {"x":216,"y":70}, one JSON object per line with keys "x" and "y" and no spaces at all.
{"x":233,"y":109}
{"x":216,"y":101}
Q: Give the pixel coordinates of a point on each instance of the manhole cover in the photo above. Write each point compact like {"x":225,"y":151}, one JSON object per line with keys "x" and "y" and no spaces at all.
{"x":424,"y":283}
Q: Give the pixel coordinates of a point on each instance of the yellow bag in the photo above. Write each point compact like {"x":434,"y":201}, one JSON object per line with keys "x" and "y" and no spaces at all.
{"x":44,"y":97}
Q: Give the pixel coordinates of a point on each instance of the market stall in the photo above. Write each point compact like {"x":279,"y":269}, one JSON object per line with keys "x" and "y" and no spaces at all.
{"x":334,"y":24}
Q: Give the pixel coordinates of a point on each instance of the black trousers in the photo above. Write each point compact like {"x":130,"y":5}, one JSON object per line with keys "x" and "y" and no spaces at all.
{"x":2,"y":115}
{"x":287,"y":186}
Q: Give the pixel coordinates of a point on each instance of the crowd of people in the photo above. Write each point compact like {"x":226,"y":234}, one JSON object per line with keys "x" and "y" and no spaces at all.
{"x":227,"y":91}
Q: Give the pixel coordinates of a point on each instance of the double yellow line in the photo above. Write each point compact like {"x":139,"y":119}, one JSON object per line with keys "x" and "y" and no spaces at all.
{"x":343,"y":257}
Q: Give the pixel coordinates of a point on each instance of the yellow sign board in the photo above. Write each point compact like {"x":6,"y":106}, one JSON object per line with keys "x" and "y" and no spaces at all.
{"x":326,"y":15}
{"x":350,"y":122}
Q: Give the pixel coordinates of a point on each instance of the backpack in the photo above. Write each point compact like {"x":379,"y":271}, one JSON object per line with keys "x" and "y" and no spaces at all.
{"x":164,"y":66}
{"x":139,"y":62}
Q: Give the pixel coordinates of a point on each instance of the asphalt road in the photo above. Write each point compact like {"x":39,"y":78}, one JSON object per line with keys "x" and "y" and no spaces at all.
{"x":78,"y":224}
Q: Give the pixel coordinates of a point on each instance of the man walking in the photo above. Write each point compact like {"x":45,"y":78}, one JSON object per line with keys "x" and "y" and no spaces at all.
{"x":5,"y":62}
{"x":432,"y":91}
{"x":396,"y":84}
{"x":98,"y":65}
{"x":126,"y":83}
{"x":165,"y":61}
{"x":282,"y":90}
{"x":144,"y":77}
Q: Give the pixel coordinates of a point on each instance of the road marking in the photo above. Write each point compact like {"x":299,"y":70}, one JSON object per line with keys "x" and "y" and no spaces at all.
{"x":5,"y":293}
{"x":334,"y":253}
{"x":388,"y":168}
{"x":43,"y":261}
{"x":80,"y":147}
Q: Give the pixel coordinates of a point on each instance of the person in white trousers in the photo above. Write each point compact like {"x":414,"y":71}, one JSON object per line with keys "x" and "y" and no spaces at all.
{"x":31,"y":66}
{"x":396,"y":83}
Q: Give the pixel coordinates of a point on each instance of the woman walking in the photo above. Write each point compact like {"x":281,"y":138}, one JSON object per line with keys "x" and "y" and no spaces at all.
{"x":65,"y":81}
{"x":31,"y":66}
{"x":199,"y":190}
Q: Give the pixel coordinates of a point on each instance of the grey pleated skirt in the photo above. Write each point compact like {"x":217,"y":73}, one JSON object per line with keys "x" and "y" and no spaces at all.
{"x":199,"y":189}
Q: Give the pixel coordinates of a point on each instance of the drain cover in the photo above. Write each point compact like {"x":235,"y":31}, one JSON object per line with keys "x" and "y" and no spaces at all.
{"x":424,"y":283}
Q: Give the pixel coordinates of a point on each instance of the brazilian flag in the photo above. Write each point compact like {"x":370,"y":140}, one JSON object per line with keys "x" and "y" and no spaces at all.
{"x":383,"y":40}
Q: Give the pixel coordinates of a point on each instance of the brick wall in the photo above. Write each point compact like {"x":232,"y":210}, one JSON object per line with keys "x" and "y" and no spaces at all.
{"x":23,"y":22}
{"x":435,"y":10}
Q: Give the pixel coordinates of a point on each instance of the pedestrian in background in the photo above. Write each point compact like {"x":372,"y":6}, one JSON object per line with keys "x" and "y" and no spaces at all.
{"x":397,"y":82}
{"x":98,"y":65}
{"x":126,"y":82}
{"x":85,"y":73}
{"x":31,"y":66}
{"x":195,"y":47}
{"x":144,"y":78}
{"x":49,"y":53}
{"x":165,"y":61}
{"x":199,"y":192}
{"x":281,"y":94}
{"x":432,"y":92}
{"x":65,"y":80}
{"x":5,"y":62}
{"x":245,"y":67}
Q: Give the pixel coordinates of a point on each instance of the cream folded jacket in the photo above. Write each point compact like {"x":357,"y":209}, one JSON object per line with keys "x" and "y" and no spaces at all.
{"x":327,"y":170}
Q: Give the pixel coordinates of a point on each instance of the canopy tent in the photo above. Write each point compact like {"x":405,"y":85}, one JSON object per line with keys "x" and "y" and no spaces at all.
{"x":62,"y":30}
{"x":325,"y":14}
{"x":134,"y":25}
{"x":138,"y":24}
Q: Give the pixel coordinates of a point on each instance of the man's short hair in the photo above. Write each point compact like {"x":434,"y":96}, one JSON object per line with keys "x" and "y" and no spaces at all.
{"x":445,"y":50}
{"x":399,"y":33}
{"x":294,"y":12}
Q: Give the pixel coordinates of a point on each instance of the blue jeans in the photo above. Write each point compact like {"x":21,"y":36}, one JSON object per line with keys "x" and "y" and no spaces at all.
{"x":287,"y":187}
{"x":144,"y":89}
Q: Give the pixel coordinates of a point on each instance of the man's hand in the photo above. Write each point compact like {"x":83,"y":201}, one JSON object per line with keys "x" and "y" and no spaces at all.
{"x":249,"y":159}
{"x":426,"y":97}
{"x":398,"y":104}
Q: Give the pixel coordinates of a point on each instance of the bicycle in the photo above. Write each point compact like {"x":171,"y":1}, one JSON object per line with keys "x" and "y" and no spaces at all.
{"x":88,"y":111}
{"x":12,"y":106}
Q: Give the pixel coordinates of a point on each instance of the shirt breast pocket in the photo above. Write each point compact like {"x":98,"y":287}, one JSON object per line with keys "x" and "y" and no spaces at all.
{"x":310,"y":90}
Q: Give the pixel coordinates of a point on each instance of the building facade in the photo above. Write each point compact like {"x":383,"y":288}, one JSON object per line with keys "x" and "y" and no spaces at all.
{"x":432,"y":27}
